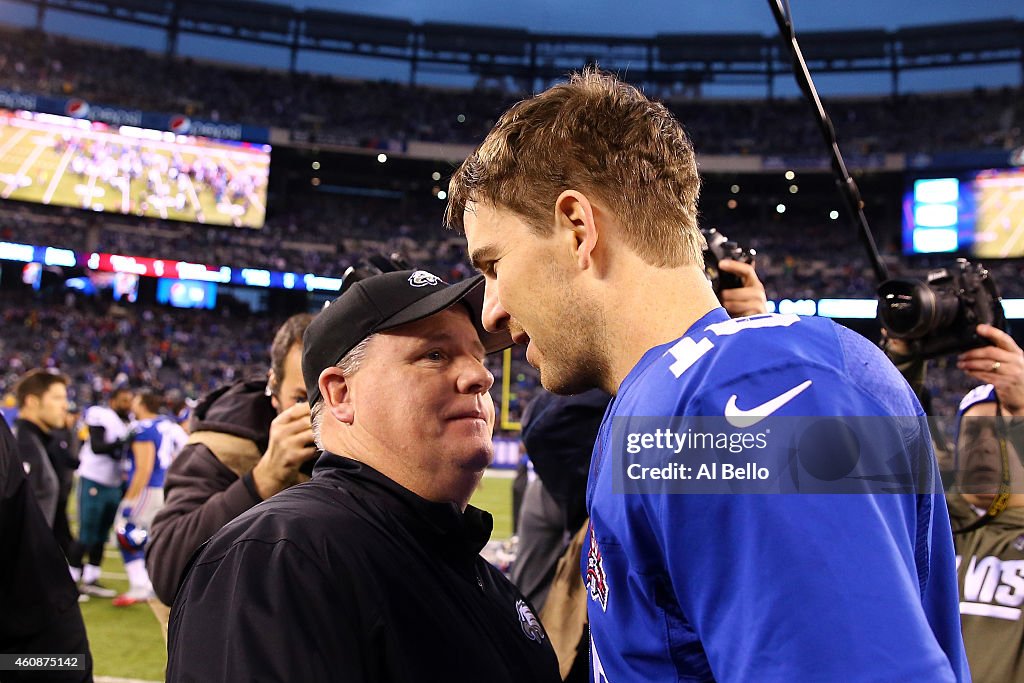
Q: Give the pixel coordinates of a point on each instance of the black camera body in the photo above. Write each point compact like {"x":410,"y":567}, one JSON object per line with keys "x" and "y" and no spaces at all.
{"x":721,"y":247}
{"x":938,"y":317}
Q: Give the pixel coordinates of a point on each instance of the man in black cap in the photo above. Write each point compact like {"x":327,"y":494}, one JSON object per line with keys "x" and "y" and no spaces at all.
{"x":371,"y":571}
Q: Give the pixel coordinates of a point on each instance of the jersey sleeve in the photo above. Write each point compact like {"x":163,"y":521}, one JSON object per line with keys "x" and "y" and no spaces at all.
{"x":94,"y":417}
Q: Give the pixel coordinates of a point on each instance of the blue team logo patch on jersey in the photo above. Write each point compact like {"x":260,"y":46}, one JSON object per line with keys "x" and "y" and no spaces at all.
{"x":597,"y":582}
{"x":531,"y":627}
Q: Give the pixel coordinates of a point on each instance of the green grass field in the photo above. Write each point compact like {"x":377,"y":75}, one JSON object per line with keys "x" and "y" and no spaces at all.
{"x":37,"y":164}
{"x":126,"y":642}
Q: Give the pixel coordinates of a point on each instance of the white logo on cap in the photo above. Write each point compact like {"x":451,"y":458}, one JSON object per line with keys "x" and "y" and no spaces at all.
{"x":422,"y":278}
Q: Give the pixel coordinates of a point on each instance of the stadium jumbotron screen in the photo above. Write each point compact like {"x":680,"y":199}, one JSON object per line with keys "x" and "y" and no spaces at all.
{"x":975,"y":213}
{"x":60,"y":160}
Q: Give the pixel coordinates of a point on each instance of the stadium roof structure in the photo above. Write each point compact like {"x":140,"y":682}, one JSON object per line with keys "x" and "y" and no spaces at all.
{"x":690,"y":59}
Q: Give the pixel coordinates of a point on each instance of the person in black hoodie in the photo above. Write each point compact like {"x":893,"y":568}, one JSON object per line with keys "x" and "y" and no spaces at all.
{"x":248,"y":442}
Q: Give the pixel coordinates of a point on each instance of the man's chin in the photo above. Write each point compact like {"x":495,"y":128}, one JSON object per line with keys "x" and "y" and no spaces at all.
{"x":565,"y":384}
{"x":477,"y":461}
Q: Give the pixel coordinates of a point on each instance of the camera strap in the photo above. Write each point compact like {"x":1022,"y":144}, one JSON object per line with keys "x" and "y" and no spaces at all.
{"x":1002,"y":498}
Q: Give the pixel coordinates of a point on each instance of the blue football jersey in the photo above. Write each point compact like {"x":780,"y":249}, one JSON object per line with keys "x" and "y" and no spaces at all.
{"x":769,"y":588}
{"x":167,"y":438}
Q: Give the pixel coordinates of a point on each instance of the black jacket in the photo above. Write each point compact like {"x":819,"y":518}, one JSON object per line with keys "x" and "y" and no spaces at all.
{"x":210,"y":481}
{"x":33,"y":443}
{"x":38,"y":601}
{"x":351,"y":577}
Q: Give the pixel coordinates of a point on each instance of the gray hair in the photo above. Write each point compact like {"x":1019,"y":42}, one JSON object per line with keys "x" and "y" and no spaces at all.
{"x":349,"y":365}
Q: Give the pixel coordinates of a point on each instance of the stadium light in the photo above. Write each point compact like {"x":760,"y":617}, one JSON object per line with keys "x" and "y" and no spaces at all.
{"x":435,"y":175}
{"x":833,"y":214}
{"x":790,"y":175}
{"x":316,"y":165}
{"x":793,"y":189}
{"x":735,"y":189}
{"x":382,"y":157}
{"x":12,"y":251}
{"x":781,"y":208}
{"x":442,"y":194}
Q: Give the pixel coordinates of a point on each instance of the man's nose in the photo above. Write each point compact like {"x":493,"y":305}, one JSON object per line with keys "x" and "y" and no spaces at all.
{"x":495,"y":317}
{"x":475,"y":378}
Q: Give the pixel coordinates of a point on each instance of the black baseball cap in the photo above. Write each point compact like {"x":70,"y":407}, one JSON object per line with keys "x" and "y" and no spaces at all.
{"x":383,"y":302}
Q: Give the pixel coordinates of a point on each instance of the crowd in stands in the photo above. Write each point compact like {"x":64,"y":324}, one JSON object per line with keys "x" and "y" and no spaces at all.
{"x":100,"y":345}
{"x":325,"y":234}
{"x":801,"y":259}
{"x":388,"y":115}
{"x":322,"y":234}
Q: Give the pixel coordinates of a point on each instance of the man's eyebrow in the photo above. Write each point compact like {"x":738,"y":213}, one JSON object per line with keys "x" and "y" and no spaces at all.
{"x":482,"y":255}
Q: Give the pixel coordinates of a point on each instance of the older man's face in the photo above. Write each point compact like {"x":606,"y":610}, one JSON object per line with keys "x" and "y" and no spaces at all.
{"x":980,"y":460}
{"x":421,"y":396}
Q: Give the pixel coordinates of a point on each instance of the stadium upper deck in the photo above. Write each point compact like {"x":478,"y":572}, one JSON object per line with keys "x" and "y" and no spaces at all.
{"x":307,"y":107}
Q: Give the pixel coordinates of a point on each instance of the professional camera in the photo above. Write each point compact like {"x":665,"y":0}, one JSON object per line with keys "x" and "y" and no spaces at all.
{"x":374,"y":264}
{"x":939,"y":316}
{"x":721,"y":247}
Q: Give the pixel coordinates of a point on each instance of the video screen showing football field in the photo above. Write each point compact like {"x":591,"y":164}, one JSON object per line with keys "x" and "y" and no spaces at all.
{"x":72,"y":162}
{"x":999,"y":228}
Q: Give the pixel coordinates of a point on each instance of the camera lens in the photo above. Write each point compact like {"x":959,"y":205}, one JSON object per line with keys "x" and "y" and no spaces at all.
{"x":911,"y":309}
{"x":900,"y":309}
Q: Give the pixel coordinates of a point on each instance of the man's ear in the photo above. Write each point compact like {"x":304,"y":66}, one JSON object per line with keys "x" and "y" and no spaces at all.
{"x":337,"y":395}
{"x":271,"y":390}
{"x":31,"y":403}
{"x":575,"y":213}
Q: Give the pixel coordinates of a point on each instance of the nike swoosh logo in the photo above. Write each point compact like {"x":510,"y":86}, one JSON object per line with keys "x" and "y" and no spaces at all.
{"x":747,"y":418}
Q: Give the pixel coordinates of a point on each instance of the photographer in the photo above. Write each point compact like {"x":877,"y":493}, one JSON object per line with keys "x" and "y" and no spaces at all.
{"x":989,"y":541}
{"x":245,"y":446}
{"x":747,"y":299}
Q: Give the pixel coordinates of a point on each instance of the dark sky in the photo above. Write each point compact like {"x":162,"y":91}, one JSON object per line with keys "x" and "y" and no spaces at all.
{"x":644,"y":17}
{"x":620,"y":17}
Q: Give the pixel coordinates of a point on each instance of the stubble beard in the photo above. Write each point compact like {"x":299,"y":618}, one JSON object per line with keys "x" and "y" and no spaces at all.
{"x":578,"y":360}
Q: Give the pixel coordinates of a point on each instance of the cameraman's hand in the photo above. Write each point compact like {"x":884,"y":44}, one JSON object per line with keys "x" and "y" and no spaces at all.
{"x":291,"y":444}
{"x":1001,"y":365}
{"x":748,"y":299}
